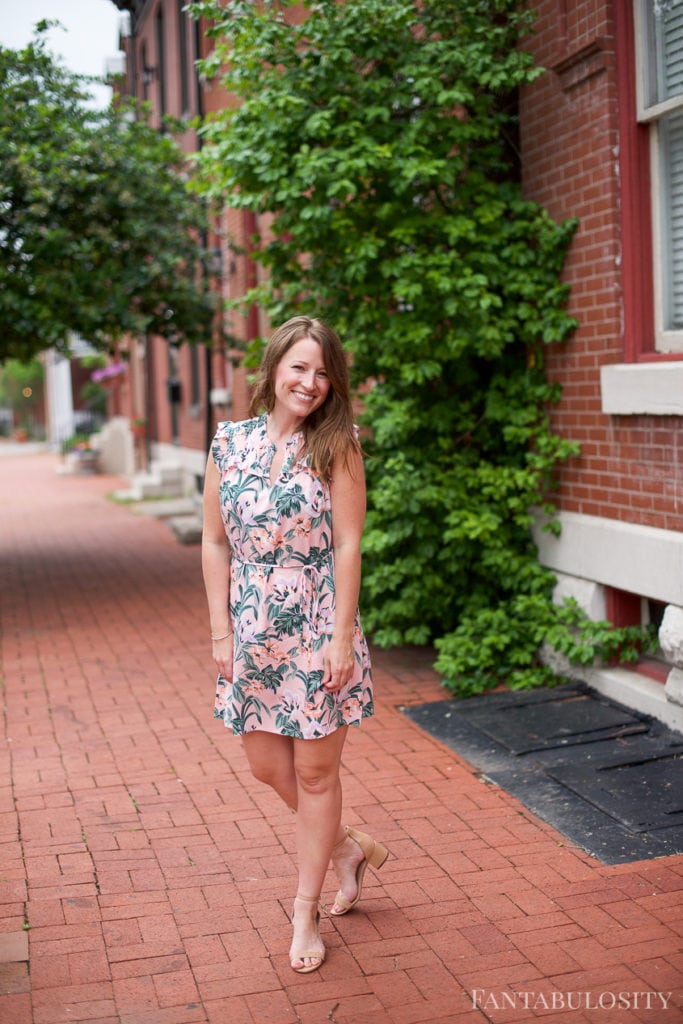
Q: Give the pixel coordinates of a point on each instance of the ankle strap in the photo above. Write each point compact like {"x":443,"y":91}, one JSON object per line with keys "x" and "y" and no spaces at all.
{"x":307,"y":899}
{"x":343,"y":839}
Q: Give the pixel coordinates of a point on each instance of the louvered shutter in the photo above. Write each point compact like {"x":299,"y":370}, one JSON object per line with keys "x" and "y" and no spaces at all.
{"x":671,"y":157}
{"x":667,"y":22}
{"x":663,"y":81}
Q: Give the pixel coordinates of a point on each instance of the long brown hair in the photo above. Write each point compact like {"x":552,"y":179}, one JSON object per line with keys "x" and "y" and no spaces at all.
{"x":329,"y":431}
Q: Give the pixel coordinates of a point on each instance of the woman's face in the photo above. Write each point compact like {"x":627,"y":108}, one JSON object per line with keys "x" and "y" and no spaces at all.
{"x":301,"y":383}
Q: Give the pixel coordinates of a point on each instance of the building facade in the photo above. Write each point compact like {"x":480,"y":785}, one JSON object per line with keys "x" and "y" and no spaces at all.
{"x":183,"y":391}
{"x":602,"y":141}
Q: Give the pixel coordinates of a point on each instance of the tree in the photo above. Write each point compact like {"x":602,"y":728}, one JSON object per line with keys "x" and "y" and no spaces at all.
{"x":379,"y":137}
{"x":22,"y":393}
{"x":98,"y":231}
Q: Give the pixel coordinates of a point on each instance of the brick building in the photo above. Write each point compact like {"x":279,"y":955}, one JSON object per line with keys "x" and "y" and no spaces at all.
{"x":184,"y":390}
{"x":601,"y":140}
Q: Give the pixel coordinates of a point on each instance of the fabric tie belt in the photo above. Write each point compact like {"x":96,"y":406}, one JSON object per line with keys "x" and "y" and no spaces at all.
{"x":311,"y":578}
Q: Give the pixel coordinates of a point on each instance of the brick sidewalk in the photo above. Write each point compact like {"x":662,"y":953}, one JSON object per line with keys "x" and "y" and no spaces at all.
{"x":150,"y":878}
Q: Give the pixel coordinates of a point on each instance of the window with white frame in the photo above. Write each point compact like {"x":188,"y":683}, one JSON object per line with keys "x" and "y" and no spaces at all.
{"x":659,"y":35}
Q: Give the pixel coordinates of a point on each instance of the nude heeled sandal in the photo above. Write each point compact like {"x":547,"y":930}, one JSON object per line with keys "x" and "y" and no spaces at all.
{"x":374,"y":854}
{"x":314,"y":954}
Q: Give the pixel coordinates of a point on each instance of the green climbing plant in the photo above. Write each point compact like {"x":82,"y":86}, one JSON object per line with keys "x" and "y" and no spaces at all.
{"x":380,"y":139}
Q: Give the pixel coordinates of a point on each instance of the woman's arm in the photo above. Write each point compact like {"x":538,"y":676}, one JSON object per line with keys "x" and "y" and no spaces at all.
{"x":216,"y":571}
{"x":347,"y":493}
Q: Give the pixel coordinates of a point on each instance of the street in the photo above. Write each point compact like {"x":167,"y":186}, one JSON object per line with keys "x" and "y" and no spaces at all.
{"x":148,"y":879}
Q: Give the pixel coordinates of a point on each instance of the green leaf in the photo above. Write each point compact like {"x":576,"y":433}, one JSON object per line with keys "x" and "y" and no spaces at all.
{"x":99,"y":228}
{"x":382,"y":148}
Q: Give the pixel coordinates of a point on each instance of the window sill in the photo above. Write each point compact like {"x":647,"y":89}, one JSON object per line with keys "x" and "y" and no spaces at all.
{"x":631,"y":389}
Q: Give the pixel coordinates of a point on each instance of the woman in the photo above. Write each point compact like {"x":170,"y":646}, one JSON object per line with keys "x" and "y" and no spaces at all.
{"x":284,"y":507}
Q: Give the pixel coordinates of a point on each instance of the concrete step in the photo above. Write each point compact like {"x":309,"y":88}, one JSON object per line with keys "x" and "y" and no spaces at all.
{"x":160,"y":481}
{"x":186,"y":529}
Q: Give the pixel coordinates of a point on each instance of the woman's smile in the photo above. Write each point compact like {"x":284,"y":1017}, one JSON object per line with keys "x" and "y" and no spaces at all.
{"x":301,"y":381}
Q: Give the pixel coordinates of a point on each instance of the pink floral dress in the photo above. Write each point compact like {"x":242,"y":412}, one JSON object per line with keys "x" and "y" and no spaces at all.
{"x":281,"y":592}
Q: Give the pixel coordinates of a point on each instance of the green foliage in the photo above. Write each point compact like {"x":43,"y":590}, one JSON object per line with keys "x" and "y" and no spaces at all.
{"x":380,"y":136}
{"x":97,"y":227}
{"x":501,"y":643}
{"x":77,"y":442}
{"x":21,"y":390}
{"x":15,"y":376}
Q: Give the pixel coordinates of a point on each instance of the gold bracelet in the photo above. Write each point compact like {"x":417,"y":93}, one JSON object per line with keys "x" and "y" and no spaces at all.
{"x":224,"y":637}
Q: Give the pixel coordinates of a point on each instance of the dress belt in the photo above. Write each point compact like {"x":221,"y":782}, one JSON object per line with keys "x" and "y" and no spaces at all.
{"x":311,"y":573}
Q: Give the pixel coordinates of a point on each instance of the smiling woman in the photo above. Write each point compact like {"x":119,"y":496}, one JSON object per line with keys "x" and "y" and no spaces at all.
{"x":302,"y":376}
{"x":284,"y":507}
{"x":301,"y":386}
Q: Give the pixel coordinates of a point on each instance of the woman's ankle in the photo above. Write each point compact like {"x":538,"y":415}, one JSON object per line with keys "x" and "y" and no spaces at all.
{"x":343,"y":835}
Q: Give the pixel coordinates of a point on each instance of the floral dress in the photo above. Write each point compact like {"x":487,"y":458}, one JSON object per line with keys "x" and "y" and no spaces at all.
{"x":281,"y":592}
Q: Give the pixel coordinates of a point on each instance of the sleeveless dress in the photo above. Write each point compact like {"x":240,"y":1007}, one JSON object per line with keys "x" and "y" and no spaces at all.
{"x":281,"y":592}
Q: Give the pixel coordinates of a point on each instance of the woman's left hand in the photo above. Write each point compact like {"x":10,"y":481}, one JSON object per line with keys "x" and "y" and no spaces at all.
{"x":339,"y":660}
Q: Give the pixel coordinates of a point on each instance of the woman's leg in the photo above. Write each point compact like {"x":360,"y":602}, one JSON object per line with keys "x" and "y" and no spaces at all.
{"x":271,"y":760}
{"x":319,"y":802}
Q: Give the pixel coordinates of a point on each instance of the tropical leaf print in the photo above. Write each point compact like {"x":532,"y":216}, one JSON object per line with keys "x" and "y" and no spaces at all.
{"x":282,"y":592}
{"x":289,"y":502}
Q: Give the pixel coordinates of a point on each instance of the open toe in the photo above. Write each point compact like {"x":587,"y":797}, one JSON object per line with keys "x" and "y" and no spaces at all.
{"x":298,"y":957}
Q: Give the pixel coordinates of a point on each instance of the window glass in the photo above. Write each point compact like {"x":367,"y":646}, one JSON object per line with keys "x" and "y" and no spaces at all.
{"x":671,"y":161}
{"x":659,"y":40}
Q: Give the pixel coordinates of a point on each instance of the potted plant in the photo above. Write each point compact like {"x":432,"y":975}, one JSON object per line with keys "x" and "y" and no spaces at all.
{"x":138,"y":426}
{"x":80,"y":456}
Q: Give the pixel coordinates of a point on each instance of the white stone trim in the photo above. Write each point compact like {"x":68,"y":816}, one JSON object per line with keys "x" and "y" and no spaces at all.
{"x":589,"y":595}
{"x":640,"y":559}
{"x":630,"y":389}
{"x":634,"y":690}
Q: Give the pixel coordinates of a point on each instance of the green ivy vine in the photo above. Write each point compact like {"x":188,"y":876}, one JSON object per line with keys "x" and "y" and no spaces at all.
{"x":380,"y":138}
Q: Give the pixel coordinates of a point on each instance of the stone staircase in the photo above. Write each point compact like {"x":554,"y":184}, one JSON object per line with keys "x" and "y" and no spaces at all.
{"x":161,"y":480}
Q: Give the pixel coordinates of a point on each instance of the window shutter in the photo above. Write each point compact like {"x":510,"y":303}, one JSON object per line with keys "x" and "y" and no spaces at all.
{"x":672,"y":167}
{"x":668,"y":35}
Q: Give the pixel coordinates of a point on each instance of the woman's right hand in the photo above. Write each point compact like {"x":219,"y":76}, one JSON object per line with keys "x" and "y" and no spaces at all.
{"x":222,"y":651}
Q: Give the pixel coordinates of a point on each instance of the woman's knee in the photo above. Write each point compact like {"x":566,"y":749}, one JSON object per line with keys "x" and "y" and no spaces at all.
{"x":264,"y":772}
{"x":315,"y":777}
{"x":270,"y":760}
{"x":317,"y":762}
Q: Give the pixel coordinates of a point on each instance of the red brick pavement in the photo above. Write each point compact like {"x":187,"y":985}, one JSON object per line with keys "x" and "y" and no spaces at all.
{"x":150,"y":878}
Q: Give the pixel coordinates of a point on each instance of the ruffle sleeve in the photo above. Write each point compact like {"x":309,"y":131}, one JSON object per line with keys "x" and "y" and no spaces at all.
{"x":222,"y":445}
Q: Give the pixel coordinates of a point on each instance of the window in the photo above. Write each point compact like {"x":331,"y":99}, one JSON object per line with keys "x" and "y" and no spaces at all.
{"x":184,"y":65}
{"x":659,"y":35}
{"x":161,"y":60}
{"x":650,"y":380}
{"x":146,"y":75}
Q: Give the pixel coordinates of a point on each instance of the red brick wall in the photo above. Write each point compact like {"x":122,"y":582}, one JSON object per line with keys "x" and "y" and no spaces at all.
{"x":631,"y":467}
{"x":191,"y":420}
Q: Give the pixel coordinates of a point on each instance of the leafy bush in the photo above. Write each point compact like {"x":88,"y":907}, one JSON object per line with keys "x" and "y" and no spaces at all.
{"x":99,"y":231}
{"x":380,"y":138}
